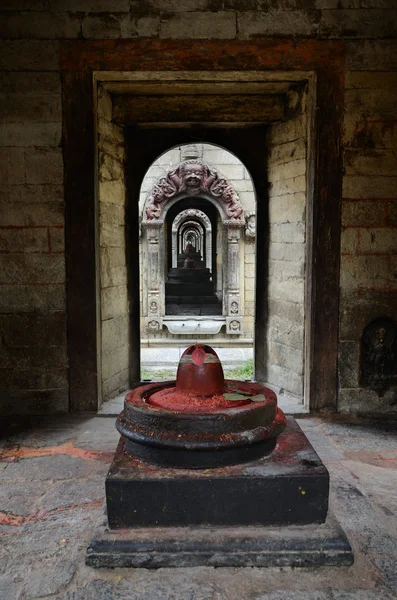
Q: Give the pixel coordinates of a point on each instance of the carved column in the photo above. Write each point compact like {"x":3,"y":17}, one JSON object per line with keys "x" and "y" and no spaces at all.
{"x":208,"y":248}
{"x":234,"y":320}
{"x":174,"y":247}
{"x":154,"y":276}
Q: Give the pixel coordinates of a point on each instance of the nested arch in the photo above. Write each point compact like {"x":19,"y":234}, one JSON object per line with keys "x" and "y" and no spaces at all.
{"x":187,"y":218}
{"x":192,"y":181}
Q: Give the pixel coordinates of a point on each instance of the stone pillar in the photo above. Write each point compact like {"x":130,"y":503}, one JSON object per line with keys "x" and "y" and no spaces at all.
{"x":234,"y":320}
{"x":174,"y":244}
{"x":208,"y":248}
{"x":155,"y":276}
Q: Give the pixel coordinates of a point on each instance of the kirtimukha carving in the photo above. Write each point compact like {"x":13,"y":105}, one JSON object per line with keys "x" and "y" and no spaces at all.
{"x":193,"y":177}
{"x":379,"y":355}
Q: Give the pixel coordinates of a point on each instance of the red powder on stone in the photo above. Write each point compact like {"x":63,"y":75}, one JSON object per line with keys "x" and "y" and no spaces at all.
{"x":198,"y":356}
{"x":183,"y":402}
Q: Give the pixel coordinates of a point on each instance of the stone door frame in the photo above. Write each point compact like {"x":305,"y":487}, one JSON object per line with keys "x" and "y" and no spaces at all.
{"x":322,"y":60}
{"x":154,"y":247}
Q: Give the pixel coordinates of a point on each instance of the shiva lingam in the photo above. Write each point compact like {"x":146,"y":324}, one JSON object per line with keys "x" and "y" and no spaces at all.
{"x":200,"y":420}
{"x":191,"y":455}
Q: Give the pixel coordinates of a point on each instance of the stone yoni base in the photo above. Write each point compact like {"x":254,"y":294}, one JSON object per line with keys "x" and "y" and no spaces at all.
{"x":289,"y":487}
{"x":154,"y":547}
{"x":267,"y":512}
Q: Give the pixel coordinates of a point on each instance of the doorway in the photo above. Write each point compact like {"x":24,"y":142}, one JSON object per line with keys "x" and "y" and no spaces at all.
{"x":241,"y":135}
{"x":275,"y":155}
{"x":203,"y":289}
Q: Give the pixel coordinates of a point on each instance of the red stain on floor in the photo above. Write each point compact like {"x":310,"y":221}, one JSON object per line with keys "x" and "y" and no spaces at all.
{"x":13,"y":454}
{"x":19,"y":520}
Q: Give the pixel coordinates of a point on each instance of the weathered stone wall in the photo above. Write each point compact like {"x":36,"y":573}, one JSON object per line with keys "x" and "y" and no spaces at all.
{"x":33,"y":359}
{"x":369,"y":237}
{"x":287,"y":236}
{"x":32,"y":303}
{"x":112,"y":253}
{"x":230,"y":167}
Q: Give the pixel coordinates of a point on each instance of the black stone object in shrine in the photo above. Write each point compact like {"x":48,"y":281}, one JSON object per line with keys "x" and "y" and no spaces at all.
{"x":289,"y":487}
{"x":378,"y":356}
{"x":210,"y":472}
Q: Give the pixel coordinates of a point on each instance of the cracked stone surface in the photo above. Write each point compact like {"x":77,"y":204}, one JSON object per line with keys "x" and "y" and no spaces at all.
{"x":52,"y":474}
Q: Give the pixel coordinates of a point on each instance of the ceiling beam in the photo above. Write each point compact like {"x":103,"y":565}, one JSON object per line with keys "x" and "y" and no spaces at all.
{"x":253,"y":108}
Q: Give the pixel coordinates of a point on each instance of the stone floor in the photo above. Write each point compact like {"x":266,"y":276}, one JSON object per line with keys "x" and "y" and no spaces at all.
{"x":52,"y":474}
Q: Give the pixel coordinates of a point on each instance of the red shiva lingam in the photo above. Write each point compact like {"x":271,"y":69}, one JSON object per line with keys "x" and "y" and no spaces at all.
{"x":200,"y":420}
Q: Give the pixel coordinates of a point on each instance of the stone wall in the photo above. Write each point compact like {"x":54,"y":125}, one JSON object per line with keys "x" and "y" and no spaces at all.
{"x":369,"y":218}
{"x":230,"y":167}
{"x":33,"y":356}
{"x":287,"y":236}
{"x":112,"y":252}
{"x":32,"y":303}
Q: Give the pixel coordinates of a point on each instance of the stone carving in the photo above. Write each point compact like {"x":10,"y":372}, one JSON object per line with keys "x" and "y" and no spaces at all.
{"x":234,"y":325}
{"x":250,"y":226}
{"x":193,"y":177}
{"x":190,"y":151}
{"x":153,"y":306}
{"x":234,"y":304}
{"x":191,"y":213}
{"x":379,"y":355}
{"x":234,"y":307}
{"x":154,"y":325}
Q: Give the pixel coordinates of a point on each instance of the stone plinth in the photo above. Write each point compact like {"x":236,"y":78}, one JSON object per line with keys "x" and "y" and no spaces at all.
{"x":289,"y":487}
{"x":266,"y":513}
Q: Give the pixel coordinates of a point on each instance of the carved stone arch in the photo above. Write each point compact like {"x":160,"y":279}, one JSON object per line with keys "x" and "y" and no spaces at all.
{"x":186,"y":216}
{"x":192,"y":178}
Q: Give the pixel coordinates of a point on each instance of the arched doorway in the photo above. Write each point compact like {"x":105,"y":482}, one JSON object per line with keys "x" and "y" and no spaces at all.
{"x":193,"y":201}
{"x":191,"y":240}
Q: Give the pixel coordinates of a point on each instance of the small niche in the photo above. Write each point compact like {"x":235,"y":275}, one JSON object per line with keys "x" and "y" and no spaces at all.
{"x":378,"y":361}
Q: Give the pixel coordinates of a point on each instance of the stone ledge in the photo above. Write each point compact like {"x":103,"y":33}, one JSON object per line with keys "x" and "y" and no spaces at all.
{"x":154,"y":548}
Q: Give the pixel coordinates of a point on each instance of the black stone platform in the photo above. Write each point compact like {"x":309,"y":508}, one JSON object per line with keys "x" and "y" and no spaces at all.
{"x":154,"y":547}
{"x":290,"y":487}
{"x":268,"y":512}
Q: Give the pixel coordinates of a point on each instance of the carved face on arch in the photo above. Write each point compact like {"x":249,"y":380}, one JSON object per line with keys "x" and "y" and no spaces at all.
{"x":192,"y":175}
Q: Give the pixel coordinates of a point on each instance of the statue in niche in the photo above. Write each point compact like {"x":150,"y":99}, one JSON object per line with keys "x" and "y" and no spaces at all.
{"x":379,"y":355}
{"x":193,"y":177}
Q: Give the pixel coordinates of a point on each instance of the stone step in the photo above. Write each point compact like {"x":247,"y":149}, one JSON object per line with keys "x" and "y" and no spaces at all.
{"x":189,"y":289}
{"x":192,"y":300}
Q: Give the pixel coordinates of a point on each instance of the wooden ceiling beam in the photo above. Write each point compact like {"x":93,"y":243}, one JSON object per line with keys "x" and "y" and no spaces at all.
{"x":253,"y":108}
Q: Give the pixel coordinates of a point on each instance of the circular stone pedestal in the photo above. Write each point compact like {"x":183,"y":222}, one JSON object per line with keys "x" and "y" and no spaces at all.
{"x":200,"y":421}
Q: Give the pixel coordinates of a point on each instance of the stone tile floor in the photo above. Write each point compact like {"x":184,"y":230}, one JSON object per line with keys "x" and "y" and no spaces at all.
{"x":52,"y":473}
